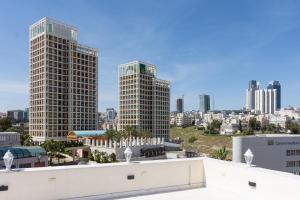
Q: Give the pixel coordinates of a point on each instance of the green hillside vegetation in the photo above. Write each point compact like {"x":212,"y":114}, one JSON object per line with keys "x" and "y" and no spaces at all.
{"x":204,"y":144}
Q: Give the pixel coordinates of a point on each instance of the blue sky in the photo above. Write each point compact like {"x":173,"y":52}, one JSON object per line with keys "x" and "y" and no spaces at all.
{"x":211,"y":47}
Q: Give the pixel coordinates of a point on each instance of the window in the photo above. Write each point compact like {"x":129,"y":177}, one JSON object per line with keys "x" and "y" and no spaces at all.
{"x":49,"y":28}
{"x":25,"y":165}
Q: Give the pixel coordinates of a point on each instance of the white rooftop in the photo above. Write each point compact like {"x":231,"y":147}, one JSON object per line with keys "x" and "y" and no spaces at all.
{"x":191,"y":179}
{"x":190,"y":194}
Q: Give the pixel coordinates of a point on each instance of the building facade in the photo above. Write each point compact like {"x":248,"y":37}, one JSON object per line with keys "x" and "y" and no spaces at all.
{"x":276,"y":85}
{"x":144,"y":100}
{"x":266,"y":101}
{"x":111,"y":114}
{"x":25,"y":157}
{"x":9,"y":139}
{"x":272,"y":151}
{"x":250,"y":95}
{"x":179,"y":105}
{"x":15,"y":115}
{"x":63,"y":81}
{"x":204,"y":103}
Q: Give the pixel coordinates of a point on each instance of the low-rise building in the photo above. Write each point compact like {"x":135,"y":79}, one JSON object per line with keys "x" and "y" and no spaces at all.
{"x":16,"y":115}
{"x":229,"y":128}
{"x":9,"y":139}
{"x":182,"y":119}
{"x":142,"y":148}
{"x":272,"y":151}
{"x":25,"y":157}
{"x":278,"y":120}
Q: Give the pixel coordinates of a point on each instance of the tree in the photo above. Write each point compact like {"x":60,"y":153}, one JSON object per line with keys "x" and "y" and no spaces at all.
{"x":11,"y":129}
{"x":5,"y":123}
{"x":240,"y":126}
{"x":254,"y":124}
{"x":112,"y":157}
{"x":144,"y":133}
{"x":26,"y":140}
{"x":52,"y":147}
{"x":248,"y":131}
{"x":293,"y":127}
{"x":220,"y":154}
{"x":271,"y":128}
{"x":214,"y":127}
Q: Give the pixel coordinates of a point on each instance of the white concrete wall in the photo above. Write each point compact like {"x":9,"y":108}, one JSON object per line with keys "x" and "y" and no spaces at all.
{"x":106,"y":179}
{"x":234,"y":177}
{"x":110,"y":180}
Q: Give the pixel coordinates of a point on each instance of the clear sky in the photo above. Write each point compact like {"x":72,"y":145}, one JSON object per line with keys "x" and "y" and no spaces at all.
{"x":211,"y":47}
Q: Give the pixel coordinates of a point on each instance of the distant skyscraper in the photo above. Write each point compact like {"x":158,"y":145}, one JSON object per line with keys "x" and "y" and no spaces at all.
{"x":110,"y":114}
{"x":63,"y":82}
{"x":26,"y":115}
{"x":144,"y":99}
{"x":16,"y":115}
{"x":180,"y":105}
{"x":265,"y":101}
{"x":204,"y":103}
{"x":250,"y":94}
{"x":276,"y":85}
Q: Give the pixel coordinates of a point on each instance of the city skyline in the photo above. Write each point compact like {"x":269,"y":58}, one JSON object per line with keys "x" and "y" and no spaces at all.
{"x":250,"y":48}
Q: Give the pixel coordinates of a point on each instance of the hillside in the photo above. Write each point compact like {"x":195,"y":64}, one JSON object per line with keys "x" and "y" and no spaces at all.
{"x":203,"y":144}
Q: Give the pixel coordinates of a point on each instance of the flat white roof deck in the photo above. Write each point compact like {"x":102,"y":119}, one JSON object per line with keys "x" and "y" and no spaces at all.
{"x":190,"y":194}
{"x":191,"y":179}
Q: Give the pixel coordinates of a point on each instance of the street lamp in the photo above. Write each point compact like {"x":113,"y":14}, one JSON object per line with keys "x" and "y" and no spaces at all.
{"x":8,"y":160}
{"x":248,"y":157}
{"x":128,"y":154}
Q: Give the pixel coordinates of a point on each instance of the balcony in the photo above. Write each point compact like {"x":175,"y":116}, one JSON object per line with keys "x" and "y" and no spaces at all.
{"x":197,"y":178}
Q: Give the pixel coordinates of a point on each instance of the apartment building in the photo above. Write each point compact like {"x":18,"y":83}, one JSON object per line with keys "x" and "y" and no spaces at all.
{"x":144,"y":100}
{"x":265,"y":101}
{"x":63,"y":81}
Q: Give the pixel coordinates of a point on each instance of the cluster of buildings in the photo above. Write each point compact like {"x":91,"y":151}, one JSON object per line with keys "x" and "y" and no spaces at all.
{"x":64,"y":88}
{"x":263,"y":101}
{"x":182,"y":118}
{"x":16,"y":116}
{"x":24,"y":157}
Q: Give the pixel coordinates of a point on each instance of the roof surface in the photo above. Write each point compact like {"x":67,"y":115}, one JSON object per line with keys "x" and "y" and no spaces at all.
{"x":23,"y":152}
{"x":88,"y":133}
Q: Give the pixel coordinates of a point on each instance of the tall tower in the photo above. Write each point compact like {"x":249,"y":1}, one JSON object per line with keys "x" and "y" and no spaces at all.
{"x":250,"y":95}
{"x":276,"y":85}
{"x":144,"y":100}
{"x":265,"y":101}
{"x":63,"y":81}
{"x":204,"y":103}
{"x":180,"y":105}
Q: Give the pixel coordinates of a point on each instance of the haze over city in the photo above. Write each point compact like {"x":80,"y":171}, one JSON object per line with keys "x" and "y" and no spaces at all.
{"x":200,"y":46}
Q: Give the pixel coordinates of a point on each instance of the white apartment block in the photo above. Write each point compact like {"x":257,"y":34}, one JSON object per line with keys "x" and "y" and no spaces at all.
{"x":144,"y":100}
{"x":293,"y":113}
{"x":265,"y":101}
{"x":210,"y":116}
{"x":182,"y":119}
{"x":63,"y":81}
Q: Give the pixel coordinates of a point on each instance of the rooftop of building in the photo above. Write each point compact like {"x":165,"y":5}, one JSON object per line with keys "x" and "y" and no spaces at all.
{"x":196,"y":178}
{"x":48,"y":19}
{"x":270,"y":136}
{"x":138,"y":62}
{"x":88,"y":133}
{"x":23,"y":151}
{"x":7,"y":133}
